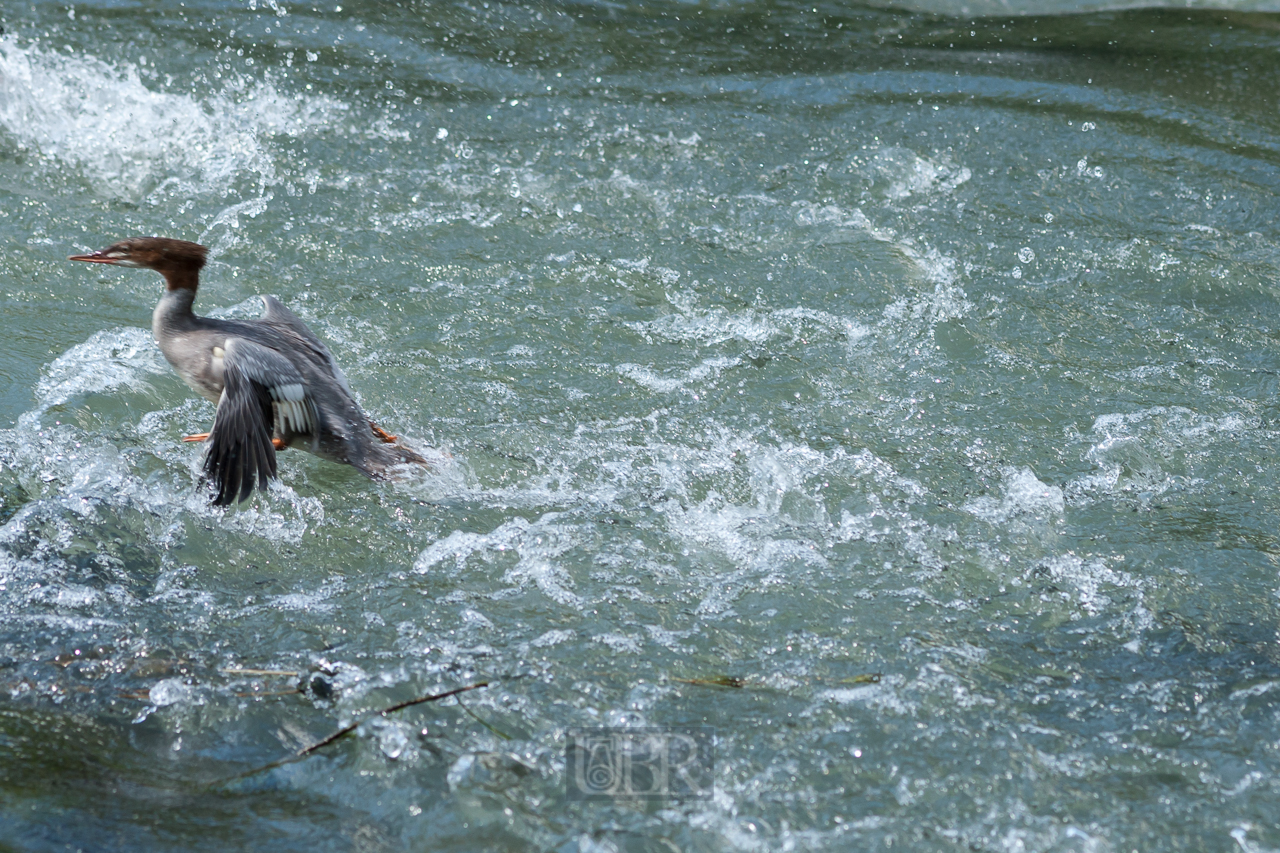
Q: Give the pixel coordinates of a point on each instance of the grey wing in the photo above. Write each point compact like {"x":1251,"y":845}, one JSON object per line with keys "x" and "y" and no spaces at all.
{"x":261,"y":390}
{"x":278,"y":315}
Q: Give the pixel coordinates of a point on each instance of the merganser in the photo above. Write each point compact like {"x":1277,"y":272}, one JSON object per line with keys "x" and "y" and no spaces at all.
{"x":275,"y":383}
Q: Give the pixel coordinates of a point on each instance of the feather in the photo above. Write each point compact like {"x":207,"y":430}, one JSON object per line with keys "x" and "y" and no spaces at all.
{"x":262,"y":393}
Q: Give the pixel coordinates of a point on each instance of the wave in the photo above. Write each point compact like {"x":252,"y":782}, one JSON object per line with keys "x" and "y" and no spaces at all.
{"x":129,"y":141}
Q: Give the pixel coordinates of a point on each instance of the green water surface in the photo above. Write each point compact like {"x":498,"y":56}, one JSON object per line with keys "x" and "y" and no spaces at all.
{"x":894,"y":393}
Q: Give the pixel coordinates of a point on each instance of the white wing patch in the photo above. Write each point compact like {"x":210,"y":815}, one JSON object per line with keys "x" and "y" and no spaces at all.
{"x":293,"y":411}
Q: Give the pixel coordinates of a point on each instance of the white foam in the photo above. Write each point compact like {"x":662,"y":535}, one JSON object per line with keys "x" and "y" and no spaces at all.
{"x":907,"y":173}
{"x":808,"y":214}
{"x":619,"y":643}
{"x":546,"y":573}
{"x":170,"y":691}
{"x":902,"y":321}
{"x":128,"y":140}
{"x":1090,"y":578}
{"x":716,"y":325}
{"x":554,"y":637}
{"x":884,"y":696}
{"x":707,"y":368}
{"x":460,"y":545}
{"x":69,"y":473}
{"x":316,"y":601}
{"x":1140,"y":451}
{"x":221,"y":233}
{"x":108,"y":360}
{"x":1024,"y":495}
{"x":536,"y":544}
{"x":658,"y":199}
{"x":475,"y":619}
{"x":755,"y":512}
{"x":1172,"y":422}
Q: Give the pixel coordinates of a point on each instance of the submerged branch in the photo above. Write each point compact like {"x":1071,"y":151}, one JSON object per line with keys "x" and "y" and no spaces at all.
{"x":481,"y":721}
{"x":346,"y":730}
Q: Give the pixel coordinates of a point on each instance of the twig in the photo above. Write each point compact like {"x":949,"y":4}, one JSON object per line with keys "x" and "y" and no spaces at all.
{"x":715,"y":681}
{"x":478,"y":719}
{"x":346,"y":730}
{"x":250,"y":693}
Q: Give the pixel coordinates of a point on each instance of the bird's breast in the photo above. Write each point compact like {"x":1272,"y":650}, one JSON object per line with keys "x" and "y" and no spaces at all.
{"x":199,"y":363}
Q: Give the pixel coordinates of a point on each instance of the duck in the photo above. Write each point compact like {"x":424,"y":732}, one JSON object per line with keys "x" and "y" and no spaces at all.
{"x":275,"y":384}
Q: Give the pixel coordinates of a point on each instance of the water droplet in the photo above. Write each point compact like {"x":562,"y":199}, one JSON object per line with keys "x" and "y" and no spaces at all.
{"x":1026,"y":255}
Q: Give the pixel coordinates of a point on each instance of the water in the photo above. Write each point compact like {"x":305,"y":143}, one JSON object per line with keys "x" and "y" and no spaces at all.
{"x":916,"y":374}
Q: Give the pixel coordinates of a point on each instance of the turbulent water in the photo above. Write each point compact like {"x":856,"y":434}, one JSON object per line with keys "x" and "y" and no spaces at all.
{"x":892,"y":390}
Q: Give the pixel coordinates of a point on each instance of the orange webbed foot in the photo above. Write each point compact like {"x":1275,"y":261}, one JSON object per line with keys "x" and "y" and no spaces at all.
{"x":383,"y":434}
{"x":204,"y":436}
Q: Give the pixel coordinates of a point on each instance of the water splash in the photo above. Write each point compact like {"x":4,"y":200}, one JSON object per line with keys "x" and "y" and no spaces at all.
{"x":908,"y":174}
{"x":1024,"y":495}
{"x":110,"y":359}
{"x":130,"y":141}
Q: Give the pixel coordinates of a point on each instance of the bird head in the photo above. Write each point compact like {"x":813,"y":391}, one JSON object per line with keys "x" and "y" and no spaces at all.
{"x":155,"y":253}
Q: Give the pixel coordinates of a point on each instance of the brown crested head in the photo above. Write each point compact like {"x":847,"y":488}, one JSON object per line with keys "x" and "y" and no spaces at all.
{"x":170,"y":258}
